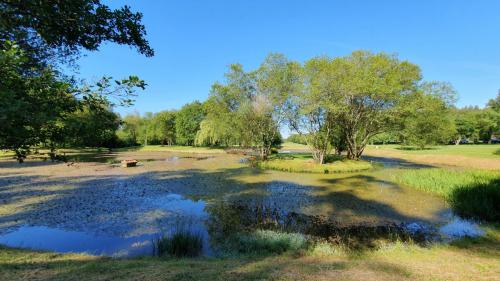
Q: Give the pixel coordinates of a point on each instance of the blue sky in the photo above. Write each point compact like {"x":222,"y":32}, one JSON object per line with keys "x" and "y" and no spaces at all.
{"x":195,"y":41}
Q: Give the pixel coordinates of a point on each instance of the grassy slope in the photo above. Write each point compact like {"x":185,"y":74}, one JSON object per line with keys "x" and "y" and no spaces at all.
{"x":468,"y":259}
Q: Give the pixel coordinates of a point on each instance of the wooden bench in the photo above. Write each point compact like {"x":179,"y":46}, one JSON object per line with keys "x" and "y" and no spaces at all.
{"x":129,"y":163}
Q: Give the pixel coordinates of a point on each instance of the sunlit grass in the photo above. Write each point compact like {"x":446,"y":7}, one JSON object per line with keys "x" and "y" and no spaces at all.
{"x":303,"y":163}
{"x":471,"y":193}
{"x":270,"y":241}
{"x":469,"y":150}
{"x":174,"y":148}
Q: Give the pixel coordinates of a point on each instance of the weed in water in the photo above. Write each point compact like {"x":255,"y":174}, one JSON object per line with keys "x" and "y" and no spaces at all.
{"x":180,"y":243}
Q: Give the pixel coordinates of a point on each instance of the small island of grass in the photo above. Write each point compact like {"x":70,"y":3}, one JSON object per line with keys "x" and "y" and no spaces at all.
{"x":304,"y":163}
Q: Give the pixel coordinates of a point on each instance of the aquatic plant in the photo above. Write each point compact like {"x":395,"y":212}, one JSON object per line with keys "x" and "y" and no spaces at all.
{"x":180,"y":243}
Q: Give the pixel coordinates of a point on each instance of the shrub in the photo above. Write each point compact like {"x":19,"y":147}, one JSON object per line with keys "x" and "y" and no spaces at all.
{"x":181,"y":243}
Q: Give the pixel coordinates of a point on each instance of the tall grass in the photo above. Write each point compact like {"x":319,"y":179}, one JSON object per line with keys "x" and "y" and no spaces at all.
{"x":180,"y":243}
{"x":308,"y":166}
{"x":472,"y":193}
{"x":270,"y":241}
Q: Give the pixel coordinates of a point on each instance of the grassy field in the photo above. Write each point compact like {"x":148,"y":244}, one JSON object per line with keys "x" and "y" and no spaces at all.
{"x":467,"y":259}
{"x":471,"y":193}
{"x":174,"y":148}
{"x":491,"y":151}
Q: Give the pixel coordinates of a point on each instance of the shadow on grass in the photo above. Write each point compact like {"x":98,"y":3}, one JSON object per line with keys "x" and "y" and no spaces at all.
{"x":47,"y":266}
{"x":392,"y":162}
{"x":415,"y":148}
{"x":478,"y":200}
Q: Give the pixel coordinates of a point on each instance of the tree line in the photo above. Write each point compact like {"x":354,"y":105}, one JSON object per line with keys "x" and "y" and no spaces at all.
{"x":331,"y":104}
{"x":334,"y":104}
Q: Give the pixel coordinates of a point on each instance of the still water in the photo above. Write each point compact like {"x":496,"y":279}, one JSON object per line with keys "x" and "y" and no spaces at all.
{"x":119,"y":212}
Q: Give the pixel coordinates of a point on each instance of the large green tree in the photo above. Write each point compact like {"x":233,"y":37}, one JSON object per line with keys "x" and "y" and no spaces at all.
{"x":364,"y":91}
{"x":187,"y":122}
{"x":36,"y":37}
{"x":427,"y":117}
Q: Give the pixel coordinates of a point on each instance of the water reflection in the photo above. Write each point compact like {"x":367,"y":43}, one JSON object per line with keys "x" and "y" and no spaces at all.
{"x":63,"y":241}
{"x":183,"y":212}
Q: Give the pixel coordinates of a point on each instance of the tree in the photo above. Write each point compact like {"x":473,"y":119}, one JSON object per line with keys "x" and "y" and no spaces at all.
{"x":88,"y":127}
{"x":129,"y":132}
{"x":364,"y":91}
{"x":309,"y":114}
{"x":29,"y":105}
{"x":223,"y":124}
{"x":187,"y":122}
{"x":428,"y":119}
{"x":165,"y":126}
{"x":35,"y":38}
{"x":49,"y":31}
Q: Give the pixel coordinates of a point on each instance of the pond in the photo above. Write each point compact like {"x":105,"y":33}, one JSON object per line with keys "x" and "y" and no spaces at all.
{"x":101,"y":208}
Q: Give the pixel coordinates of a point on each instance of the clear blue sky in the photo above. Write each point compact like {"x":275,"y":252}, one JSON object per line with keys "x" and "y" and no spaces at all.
{"x":195,"y":41}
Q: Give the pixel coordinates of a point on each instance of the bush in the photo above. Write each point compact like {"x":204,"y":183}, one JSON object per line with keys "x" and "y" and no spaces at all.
{"x":181,"y":243}
{"x":270,"y":242}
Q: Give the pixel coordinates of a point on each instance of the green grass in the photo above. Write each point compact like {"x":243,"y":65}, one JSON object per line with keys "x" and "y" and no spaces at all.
{"x":491,"y":151}
{"x":471,"y":193}
{"x":174,"y":148}
{"x":270,"y":242}
{"x":303,"y":163}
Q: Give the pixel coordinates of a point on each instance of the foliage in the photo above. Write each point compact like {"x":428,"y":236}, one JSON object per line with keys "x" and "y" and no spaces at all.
{"x":296,"y":138}
{"x":35,"y":98}
{"x":426,"y":117}
{"x":55,"y":30}
{"x":88,"y":127}
{"x":187,"y":123}
{"x":30,"y":106}
{"x":249,"y":107}
{"x":473,"y":193}
{"x":365,"y":91}
{"x":309,"y":114}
